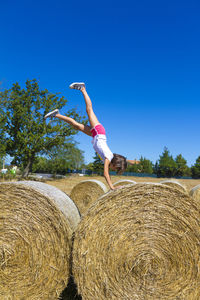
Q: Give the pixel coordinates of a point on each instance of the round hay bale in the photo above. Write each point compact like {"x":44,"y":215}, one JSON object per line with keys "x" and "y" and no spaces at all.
{"x":123,"y":182}
{"x":175,"y":184}
{"x":86,"y":192}
{"x":36,"y":225}
{"x":139,"y":242}
{"x":195,"y":194}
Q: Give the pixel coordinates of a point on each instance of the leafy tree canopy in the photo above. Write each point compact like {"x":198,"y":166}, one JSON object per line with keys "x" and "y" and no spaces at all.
{"x":60,"y":158}
{"x":182,"y":168}
{"x":166,"y":166}
{"x":196,"y":169}
{"x":145,"y":165}
{"x":25,"y":131}
{"x":2,"y":131}
{"x":97,"y":164}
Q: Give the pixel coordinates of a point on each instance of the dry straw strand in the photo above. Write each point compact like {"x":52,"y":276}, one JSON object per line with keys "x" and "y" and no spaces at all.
{"x":62,"y":201}
{"x":195,"y":194}
{"x":175,"y":184}
{"x":123,"y":182}
{"x":86,"y":192}
{"x":139,"y":242}
{"x":35,"y":240}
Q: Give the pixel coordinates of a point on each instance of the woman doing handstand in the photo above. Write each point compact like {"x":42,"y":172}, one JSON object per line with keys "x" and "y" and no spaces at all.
{"x":114,"y":161}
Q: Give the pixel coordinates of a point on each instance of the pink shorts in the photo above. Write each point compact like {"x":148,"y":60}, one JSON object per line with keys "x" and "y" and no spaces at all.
{"x":98,"y":129}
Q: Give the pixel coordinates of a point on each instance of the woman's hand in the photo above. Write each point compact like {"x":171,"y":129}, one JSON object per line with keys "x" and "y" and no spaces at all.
{"x":118,"y":187}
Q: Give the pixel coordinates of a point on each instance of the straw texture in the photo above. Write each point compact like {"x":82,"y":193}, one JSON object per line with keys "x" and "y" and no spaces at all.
{"x":35,"y":240}
{"x":175,"y":184}
{"x":86,"y":192}
{"x":140,"y":242}
{"x":123,"y":182}
{"x":195,"y":194}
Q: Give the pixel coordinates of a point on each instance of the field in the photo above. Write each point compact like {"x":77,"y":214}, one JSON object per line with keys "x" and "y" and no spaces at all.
{"x":67,"y":184}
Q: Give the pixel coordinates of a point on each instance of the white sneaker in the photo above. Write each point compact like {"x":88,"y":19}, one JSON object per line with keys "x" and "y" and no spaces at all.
{"x":77,"y":85}
{"x":51,"y":113}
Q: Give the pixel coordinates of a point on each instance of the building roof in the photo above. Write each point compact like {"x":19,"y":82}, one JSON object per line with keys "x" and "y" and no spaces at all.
{"x":133,"y":162}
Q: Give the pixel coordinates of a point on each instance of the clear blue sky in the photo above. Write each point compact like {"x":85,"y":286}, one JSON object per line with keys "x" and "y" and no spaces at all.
{"x":140,"y":61}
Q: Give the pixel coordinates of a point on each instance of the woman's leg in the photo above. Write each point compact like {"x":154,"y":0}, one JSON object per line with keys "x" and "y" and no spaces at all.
{"x":84,"y":128}
{"x":91,"y":115}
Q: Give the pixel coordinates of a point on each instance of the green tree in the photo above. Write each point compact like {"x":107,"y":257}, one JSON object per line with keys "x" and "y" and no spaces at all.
{"x":89,"y":166}
{"x":155,"y":168}
{"x":181,"y":164}
{"x":195,"y":170}
{"x":1,"y":162}
{"x":68,"y":154}
{"x":41,"y":165}
{"x":27,"y":133}
{"x":2,"y":131}
{"x":59,"y":159}
{"x":166,"y":166}
{"x":133,"y":168}
{"x":145,"y":165}
{"x":98,"y":165}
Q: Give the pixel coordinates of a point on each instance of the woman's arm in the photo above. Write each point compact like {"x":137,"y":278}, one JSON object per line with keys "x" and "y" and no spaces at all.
{"x":106,"y":173}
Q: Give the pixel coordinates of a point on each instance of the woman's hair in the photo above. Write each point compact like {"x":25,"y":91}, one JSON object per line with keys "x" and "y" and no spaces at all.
{"x":119,"y":162}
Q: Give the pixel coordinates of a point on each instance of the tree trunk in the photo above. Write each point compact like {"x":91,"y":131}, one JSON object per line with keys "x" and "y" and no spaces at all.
{"x":27,"y":169}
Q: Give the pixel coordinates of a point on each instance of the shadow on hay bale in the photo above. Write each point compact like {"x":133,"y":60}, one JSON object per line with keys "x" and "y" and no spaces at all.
{"x":123,"y":182}
{"x":70,"y":292}
{"x":86,"y":192}
{"x":175,"y":184}
{"x":139,"y":242}
{"x":36,"y":226}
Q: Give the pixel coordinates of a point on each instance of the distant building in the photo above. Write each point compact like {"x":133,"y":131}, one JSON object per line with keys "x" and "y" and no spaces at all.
{"x":133,"y":162}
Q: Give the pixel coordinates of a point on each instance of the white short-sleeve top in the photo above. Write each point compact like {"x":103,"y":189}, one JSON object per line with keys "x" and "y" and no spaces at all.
{"x":100,"y":143}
